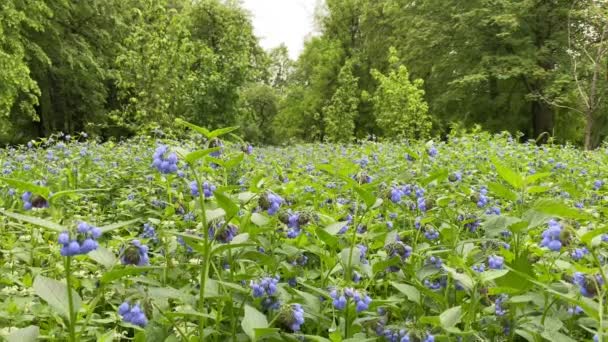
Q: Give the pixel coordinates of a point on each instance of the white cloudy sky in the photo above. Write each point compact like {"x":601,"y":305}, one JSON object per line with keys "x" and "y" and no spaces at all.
{"x":282,"y":21}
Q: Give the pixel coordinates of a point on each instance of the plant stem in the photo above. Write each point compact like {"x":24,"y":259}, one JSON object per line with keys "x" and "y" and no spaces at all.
{"x":72,"y":316}
{"x":205,"y":267}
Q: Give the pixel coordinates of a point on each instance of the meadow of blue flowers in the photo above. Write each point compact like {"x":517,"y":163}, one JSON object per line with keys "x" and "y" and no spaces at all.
{"x":478,"y":238}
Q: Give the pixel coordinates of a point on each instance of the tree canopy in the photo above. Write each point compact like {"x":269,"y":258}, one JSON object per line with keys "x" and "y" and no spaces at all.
{"x":390,"y":68}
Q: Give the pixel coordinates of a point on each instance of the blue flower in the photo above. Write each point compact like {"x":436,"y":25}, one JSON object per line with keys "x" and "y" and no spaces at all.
{"x":132,"y":314}
{"x":164,"y":161}
{"x":597,"y":184}
{"x":83,"y":243}
{"x":136,"y":254}
{"x":496,"y":262}
{"x":498,"y":308}
{"x":551,"y":236}
{"x":266,"y":285}
{"x":579,"y":253}
{"x":296,"y":317}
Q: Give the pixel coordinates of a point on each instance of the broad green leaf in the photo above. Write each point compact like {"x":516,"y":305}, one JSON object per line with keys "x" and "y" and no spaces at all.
{"x":221,"y":131}
{"x":198,"y":154}
{"x":355,"y":259}
{"x":502,"y":191}
{"x":450,"y":317}
{"x":536,"y":177}
{"x":587,"y":237}
{"x":117,"y":225}
{"x":55,"y":293}
{"x":123,"y":271}
{"x":368,"y":198}
{"x":24,"y":186}
{"x":334,"y":228}
{"x":103,"y":256}
{"x":537,"y":189}
{"x":259,"y":219}
{"x":215,"y":214}
{"x":462,"y":278}
{"x":60,"y":194}
{"x":496,"y":224}
{"x":27,"y":334}
{"x":253,"y":320}
{"x":492,"y":274}
{"x":196,"y":128}
{"x":409,"y":291}
{"x":35,"y":221}
{"x":510,"y":176}
{"x":226,"y":203}
{"x":438,"y":175}
{"x":234,"y":161}
{"x":559,"y":209}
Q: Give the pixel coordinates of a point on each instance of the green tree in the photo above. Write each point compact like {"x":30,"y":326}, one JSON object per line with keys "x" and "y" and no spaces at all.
{"x":342,"y":109}
{"x":401,"y":111}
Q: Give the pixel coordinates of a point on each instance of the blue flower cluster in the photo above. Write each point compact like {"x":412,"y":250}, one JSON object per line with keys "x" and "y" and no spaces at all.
{"x":340,"y":299}
{"x":266,"y":286}
{"x":394,"y":335}
{"x":29,"y":201}
{"x":163,"y":161}
{"x":224,"y":235}
{"x":483,"y":199}
{"x":435,"y":261}
{"x":275,"y":202}
{"x":136,"y":254}
{"x":431,"y":234}
{"x":499,"y":310}
{"x":597,"y":184}
{"x":397,"y":192}
{"x":479,"y":268}
{"x":208,"y":189}
{"x":588,"y":286}
{"x":496,"y":262}
{"x":132,"y":314}
{"x":85,"y":242}
{"x":552,"y":236}
{"x":293,"y":223}
{"x":295,"y":317}
{"x":432,"y":151}
{"x":579,"y":253}
{"x":149,"y":232}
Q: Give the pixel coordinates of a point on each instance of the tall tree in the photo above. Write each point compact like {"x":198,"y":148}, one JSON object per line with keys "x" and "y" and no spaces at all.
{"x":340,"y":113}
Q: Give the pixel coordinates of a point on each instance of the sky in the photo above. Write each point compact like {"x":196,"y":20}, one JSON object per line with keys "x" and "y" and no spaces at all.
{"x":282,"y":21}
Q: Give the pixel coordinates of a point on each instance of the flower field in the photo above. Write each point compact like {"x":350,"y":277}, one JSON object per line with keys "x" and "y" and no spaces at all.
{"x":204,"y":238}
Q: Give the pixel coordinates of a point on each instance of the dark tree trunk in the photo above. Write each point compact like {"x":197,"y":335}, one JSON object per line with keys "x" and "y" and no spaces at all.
{"x":542,"y":120}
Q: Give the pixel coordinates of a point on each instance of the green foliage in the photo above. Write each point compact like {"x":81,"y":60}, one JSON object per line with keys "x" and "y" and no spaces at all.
{"x":340,"y":113}
{"x":400,"y":108}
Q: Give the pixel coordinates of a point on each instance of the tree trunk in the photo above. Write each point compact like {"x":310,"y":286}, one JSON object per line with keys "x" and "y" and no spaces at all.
{"x":542,"y":116}
{"x":588,"y":131}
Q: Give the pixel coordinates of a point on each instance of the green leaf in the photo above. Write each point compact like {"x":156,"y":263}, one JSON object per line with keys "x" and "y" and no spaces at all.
{"x":409,"y":291}
{"x":495,"y":225}
{"x":117,"y":225}
{"x":103,"y":256}
{"x":214,"y":214}
{"x":450,"y":317}
{"x":253,"y":320}
{"x":60,"y":194}
{"x":221,"y":131}
{"x":198,"y":154}
{"x":55,"y":293}
{"x":463,"y":278}
{"x":502,"y":191}
{"x":33,"y":188}
{"x":334,"y":228}
{"x":123,"y":271}
{"x":492,"y":274}
{"x":27,"y":334}
{"x":259,"y":219}
{"x":537,"y":189}
{"x":35,"y":221}
{"x":227,"y":204}
{"x":438,"y":175}
{"x":559,"y":209}
{"x":587,"y":237}
{"x":196,"y":128}
{"x":365,"y":195}
{"x":510,"y":176}
{"x":355,"y":259}
{"x":234,"y":161}
{"x":536,"y":177}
